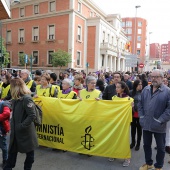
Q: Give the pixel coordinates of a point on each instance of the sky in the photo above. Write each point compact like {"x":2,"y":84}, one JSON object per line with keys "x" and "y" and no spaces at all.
{"x":156,"y":12}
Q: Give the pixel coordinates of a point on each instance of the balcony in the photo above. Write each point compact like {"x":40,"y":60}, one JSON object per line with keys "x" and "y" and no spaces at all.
{"x":5,"y":9}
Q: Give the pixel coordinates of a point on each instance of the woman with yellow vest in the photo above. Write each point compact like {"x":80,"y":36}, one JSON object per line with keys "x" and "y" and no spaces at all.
{"x":46,"y":89}
{"x":90,"y":92}
{"x":5,"y":88}
{"x":66,"y":92}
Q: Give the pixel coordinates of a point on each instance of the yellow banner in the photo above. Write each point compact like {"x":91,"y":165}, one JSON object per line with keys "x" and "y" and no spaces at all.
{"x":91,"y":127}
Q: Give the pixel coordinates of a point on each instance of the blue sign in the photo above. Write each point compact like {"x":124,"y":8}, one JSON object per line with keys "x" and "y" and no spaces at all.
{"x":26,"y":58}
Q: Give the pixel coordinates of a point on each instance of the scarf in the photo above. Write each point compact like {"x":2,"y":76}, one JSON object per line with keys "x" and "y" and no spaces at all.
{"x":66,"y":91}
{"x":80,"y":87}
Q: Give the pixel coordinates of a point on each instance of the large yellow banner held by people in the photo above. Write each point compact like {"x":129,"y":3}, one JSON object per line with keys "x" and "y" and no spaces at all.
{"x":91,"y":127}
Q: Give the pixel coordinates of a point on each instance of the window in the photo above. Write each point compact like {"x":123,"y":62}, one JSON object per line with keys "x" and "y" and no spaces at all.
{"x":51,"y":32}
{"x":138,"y":45}
{"x":79,"y":7}
{"x":129,"y":31}
{"x":123,"y":24}
{"x":35,"y":57}
{"x":22,"y":12}
{"x":103,"y":36}
{"x":139,"y":24}
{"x":50,"y":57}
{"x":102,"y":60}
{"x":21,"y":35}
{"x":129,"y":38}
{"x":35,"y":34}
{"x":138,"y":52}
{"x":139,"y":31}
{"x":128,"y":23}
{"x":21,"y":53}
{"x":108,"y":38}
{"x":9,"y":36}
{"x":139,"y":38}
{"x":79,"y":37}
{"x":52,"y":6}
{"x":36,"y":9}
{"x":78,"y":58}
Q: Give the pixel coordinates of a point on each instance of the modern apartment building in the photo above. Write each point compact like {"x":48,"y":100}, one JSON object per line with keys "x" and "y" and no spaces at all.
{"x":136,"y":31}
{"x":165,"y":52}
{"x":155,"y":51}
{"x":80,"y":27}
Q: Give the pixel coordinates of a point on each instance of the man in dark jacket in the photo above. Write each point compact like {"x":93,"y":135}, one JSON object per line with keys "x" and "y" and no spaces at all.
{"x":154,"y":113}
{"x":110,"y":90}
{"x":4,"y":128}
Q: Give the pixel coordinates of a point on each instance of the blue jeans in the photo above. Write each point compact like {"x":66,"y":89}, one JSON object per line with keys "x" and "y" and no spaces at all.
{"x":12,"y":161}
{"x":160,"y":142}
{"x":3,"y":146}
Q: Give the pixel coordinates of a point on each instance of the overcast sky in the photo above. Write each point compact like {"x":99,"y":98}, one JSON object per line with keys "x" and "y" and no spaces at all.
{"x":156,"y":12}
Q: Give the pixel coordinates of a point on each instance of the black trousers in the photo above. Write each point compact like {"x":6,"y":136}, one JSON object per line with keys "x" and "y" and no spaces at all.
{"x":12,"y":157}
{"x":135,"y":126}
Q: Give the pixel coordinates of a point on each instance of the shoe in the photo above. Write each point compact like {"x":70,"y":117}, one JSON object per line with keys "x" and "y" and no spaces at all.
{"x":126,"y":162}
{"x":167,"y":149}
{"x":111,"y":159}
{"x":158,"y":168}
{"x":132,"y":145}
{"x":146,"y":167}
{"x":137,"y":147}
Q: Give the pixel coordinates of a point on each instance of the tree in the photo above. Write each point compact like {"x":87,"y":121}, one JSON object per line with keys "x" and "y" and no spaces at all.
{"x":60,"y":58}
{"x":4,"y":59}
{"x":22,"y":59}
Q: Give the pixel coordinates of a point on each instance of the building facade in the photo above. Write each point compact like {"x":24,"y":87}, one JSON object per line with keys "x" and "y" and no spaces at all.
{"x":136,"y":31}
{"x":41,"y":27}
{"x":155,"y":51}
{"x":165,"y":52}
{"x":5,"y":9}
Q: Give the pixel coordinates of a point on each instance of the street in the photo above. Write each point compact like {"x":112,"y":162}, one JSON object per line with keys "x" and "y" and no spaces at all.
{"x":46,"y":159}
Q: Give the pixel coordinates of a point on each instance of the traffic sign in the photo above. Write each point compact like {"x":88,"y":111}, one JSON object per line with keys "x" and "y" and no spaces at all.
{"x":26,"y":58}
{"x":141,"y":65}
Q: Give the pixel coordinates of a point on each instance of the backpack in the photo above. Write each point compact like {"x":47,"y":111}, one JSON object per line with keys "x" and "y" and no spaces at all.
{"x":38,"y":112}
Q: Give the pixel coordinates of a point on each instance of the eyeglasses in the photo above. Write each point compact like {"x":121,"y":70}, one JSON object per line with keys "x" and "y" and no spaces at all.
{"x":155,"y":77}
{"x":92,"y":83}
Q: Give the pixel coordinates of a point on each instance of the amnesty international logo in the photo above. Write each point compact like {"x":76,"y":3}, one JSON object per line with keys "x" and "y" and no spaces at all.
{"x":88,"y":139}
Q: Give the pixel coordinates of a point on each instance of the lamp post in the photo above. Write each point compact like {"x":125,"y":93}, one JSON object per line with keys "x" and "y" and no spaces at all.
{"x":135,"y":30}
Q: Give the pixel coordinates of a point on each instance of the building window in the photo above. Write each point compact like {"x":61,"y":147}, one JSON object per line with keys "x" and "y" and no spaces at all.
{"x":50,"y":57}
{"x":139,"y":38}
{"x":123,"y":24}
{"x":102,"y":60}
{"x":35,"y":34}
{"x":52,"y":6}
{"x":35,"y":57}
{"x":139,"y":24}
{"x":79,"y":7}
{"x":78,"y":58}
{"x":103,"y":36}
{"x":128,"y":23}
{"x":129,"y":38}
{"x":51,"y":32}
{"x":108,"y":38}
{"x":139,"y":31}
{"x":21,"y":35}
{"x":36,"y":9}
{"x":129,"y":31}
{"x":9,"y":40}
{"x":21,"y":53}
{"x":79,"y":33}
{"x":138,"y":52}
{"x":22,"y":12}
{"x":138,"y":45}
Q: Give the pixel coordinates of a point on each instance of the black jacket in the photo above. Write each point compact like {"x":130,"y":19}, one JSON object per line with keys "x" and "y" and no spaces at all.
{"x":109,"y":92}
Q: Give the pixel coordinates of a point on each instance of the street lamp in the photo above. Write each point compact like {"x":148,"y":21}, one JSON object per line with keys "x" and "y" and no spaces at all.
{"x":134,"y":46}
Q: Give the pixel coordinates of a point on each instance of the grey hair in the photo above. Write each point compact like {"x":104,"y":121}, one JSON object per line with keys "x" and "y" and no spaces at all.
{"x":89,"y":79}
{"x":68,"y":81}
{"x":159,"y":71}
{"x":25,"y":71}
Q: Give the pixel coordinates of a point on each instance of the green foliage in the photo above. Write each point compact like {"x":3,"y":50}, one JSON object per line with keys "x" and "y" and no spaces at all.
{"x":5,"y":59}
{"x":22,"y":59}
{"x":60,"y":58}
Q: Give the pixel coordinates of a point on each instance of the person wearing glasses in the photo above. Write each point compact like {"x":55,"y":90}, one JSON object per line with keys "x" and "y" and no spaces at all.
{"x":154,"y":113}
{"x":110,"y":90}
{"x":45,"y":88}
{"x":135,"y":125}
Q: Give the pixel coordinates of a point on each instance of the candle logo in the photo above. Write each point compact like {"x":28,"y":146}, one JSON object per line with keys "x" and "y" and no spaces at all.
{"x":88,"y":139}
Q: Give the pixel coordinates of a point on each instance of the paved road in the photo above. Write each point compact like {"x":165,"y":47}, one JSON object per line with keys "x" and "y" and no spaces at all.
{"x":46,"y":159}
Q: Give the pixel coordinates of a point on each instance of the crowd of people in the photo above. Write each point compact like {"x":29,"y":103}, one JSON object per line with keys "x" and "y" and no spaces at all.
{"x":150,"y":109}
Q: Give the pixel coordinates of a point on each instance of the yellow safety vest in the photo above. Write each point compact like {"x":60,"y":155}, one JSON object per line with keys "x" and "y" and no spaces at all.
{"x":58,"y":87}
{"x":1,"y":84}
{"x":48,"y":92}
{"x":66,"y":96}
{"x":29,"y":84}
{"x":84,"y":94}
{"x":5,"y":91}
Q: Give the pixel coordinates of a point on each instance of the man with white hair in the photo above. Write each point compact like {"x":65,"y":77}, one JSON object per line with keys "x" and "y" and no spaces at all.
{"x":154,"y":113}
{"x":25,"y":76}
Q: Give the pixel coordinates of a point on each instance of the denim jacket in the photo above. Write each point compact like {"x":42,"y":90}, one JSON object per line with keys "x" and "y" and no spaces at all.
{"x":154,"y":109}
